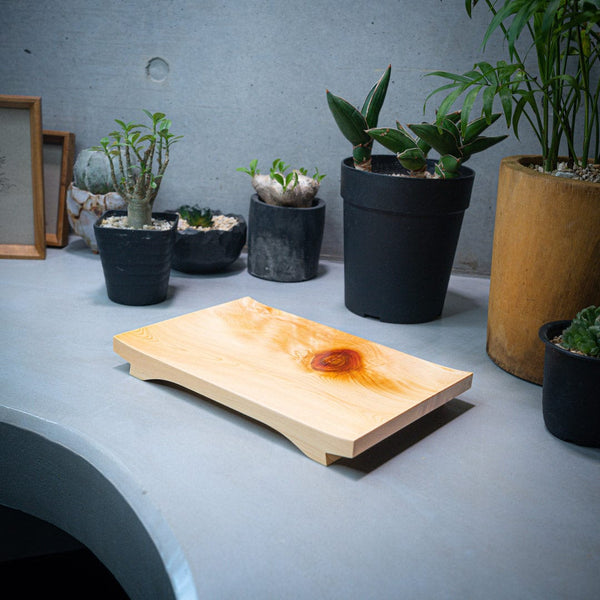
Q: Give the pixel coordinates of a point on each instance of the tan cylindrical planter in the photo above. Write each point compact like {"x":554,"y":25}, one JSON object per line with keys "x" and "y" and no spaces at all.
{"x":545,"y":261}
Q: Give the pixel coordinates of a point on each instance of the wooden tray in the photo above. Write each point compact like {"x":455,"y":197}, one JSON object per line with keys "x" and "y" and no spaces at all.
{"x":330,"y":393}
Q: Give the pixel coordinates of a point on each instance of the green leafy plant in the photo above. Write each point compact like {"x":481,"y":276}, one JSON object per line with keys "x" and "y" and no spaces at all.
{"x":445,"y":137}
{"x":283,"y":186}
{"x":196,"y":216}
{"x":139,"y":154}
{"x":353,"y":123}
{"x":558,"y":98}
{"x":583,"y":334}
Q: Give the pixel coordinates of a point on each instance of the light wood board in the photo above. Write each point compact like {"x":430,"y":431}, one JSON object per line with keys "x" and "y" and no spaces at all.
{"x":330,"y":393}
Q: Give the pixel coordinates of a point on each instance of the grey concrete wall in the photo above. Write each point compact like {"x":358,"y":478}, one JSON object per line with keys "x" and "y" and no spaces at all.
{"x":247,"y":79}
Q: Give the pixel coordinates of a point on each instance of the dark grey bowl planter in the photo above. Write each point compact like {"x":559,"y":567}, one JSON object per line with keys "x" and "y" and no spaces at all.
{"x":284,"y":243}
{"x":136,"y":262}
{"x":400,"y":238}
{"x":571,"y":391}
{"x":209,"y":251}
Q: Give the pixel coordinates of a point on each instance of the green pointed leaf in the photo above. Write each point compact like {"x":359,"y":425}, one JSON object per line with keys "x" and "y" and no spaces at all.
{"x":478,"y":126}
{"x":412,"y":159}
{"x":441,"y":140}
{"x":467,"y":107}
{"x":479,"y":144}
{"x":349,"y":119}
{"x":447,"y":166}
{"x":396,"y":140}
{"x":375,"y":97}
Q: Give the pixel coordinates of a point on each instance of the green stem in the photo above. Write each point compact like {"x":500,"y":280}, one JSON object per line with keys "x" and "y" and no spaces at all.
{"x":139,"y":213}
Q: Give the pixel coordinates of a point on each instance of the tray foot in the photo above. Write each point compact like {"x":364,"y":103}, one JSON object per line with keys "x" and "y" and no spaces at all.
{"x":316,"y":454}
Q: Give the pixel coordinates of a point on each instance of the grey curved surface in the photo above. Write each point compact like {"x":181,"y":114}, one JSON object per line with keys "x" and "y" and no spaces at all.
{"x":52,"y":482}
{"x":475,"y":500}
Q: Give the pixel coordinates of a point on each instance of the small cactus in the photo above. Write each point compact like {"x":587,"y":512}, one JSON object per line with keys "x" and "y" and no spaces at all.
{"x":353,"y":123}
{"x":196,"y":216}
{"x":445,"y":138}
{"x":583,"y":334}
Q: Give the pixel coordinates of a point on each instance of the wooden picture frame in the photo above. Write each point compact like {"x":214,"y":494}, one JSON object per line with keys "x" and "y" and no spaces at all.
{"x":59,"y":151}
{"x":22,"y":233}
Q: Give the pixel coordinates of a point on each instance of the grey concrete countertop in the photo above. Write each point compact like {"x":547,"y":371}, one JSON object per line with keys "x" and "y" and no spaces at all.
{"x":183,"y":498}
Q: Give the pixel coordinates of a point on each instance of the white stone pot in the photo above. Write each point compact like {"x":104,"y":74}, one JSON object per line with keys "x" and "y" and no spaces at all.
{"x":84,"y":209}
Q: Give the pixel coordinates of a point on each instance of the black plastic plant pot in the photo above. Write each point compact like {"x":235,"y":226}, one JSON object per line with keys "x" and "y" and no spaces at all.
{"x":400,"y":238}
{"x":136,"y":262}
{"x":284,"y":243}
{"x":209,"y":251}
{"x":570,"y":392}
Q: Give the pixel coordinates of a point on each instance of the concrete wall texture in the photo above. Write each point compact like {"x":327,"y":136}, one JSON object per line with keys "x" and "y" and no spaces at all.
{"x":247,"y":79}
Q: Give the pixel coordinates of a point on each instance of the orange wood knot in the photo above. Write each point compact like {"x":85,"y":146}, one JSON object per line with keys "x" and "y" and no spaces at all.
{"x":336,"y":361}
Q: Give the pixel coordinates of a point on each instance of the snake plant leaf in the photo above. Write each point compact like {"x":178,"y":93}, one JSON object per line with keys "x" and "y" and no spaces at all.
{"x":375,"y":97}
{"x":479,"y":144}
{"x":439,"y":138}
{"x":447,"y":166}
{"x":477,"y":127}
{"x":413,"y":159}
{"x":396,"y":140}
{"x":349,"y":119}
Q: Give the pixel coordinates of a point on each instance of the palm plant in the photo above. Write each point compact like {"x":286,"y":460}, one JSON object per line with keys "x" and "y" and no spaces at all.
{"x":559,"y":99}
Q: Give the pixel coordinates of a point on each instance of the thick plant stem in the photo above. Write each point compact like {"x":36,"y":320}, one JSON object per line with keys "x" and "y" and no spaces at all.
{"x":139,"y":213}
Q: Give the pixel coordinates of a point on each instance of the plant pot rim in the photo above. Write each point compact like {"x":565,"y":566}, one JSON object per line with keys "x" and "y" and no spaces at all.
{"x":241,"y":222}
{"x":520,"y":162}
{"x":318,"y":204}
{"x":552,"y":329}
{"x":166,"y":216}
{"x":464,"y":171}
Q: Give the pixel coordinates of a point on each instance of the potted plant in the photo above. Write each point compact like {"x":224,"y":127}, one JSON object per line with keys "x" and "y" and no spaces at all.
{"x":285,"y":223}
{"x":136,"y":245}
{"x":207,"y":240}
{"x":90,"y":194}
{"x":547,"y":217}
{"x":402,"y":218}
{"x":570,"y":393}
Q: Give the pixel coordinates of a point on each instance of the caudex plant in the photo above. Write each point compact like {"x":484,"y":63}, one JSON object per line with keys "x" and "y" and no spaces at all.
{"x":354,"y":123}
{"x":139,"y":154}
{"x":583,"y":334}
{"x":454,"y":141}
{"x":282,"y":186}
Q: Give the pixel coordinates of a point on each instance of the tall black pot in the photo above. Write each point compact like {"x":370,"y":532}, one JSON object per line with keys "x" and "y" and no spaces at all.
{"x":136,"y":262}
{"x":571,"y":391}
{"x":400,"y":238}
{"x":284,"y":243}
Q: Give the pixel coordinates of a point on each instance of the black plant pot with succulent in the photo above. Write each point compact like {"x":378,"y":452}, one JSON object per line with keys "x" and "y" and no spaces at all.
{"x":203,"y":247}
{"x":403,"y":213}
{"x":285,"y":224}
{"x":136,"y":256}
{"x":570,"y":392}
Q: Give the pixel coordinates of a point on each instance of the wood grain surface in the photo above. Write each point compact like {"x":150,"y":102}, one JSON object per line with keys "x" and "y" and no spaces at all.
{"x":331,"y":393}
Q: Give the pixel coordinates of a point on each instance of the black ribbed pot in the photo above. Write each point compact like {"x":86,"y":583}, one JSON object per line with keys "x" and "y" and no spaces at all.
{"x":400,"y":238}
{"x":209,"y":251}
{"x":284,"y":243}
{"x":136,"y":262}
{"x":571,"y":391}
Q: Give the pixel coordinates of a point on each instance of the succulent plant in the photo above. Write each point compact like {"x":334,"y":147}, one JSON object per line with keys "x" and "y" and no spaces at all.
{"x":196,"y":216}
{"x":583,"y":334}
{"x":138,"y":161}
{"x":91,"y":172}
{"x":446,"y":138}
{"x":282,"y":186}
{"x":353,"y":123}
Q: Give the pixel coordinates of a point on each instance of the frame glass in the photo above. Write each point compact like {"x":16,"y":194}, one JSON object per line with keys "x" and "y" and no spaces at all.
{"x":22,"y":232}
